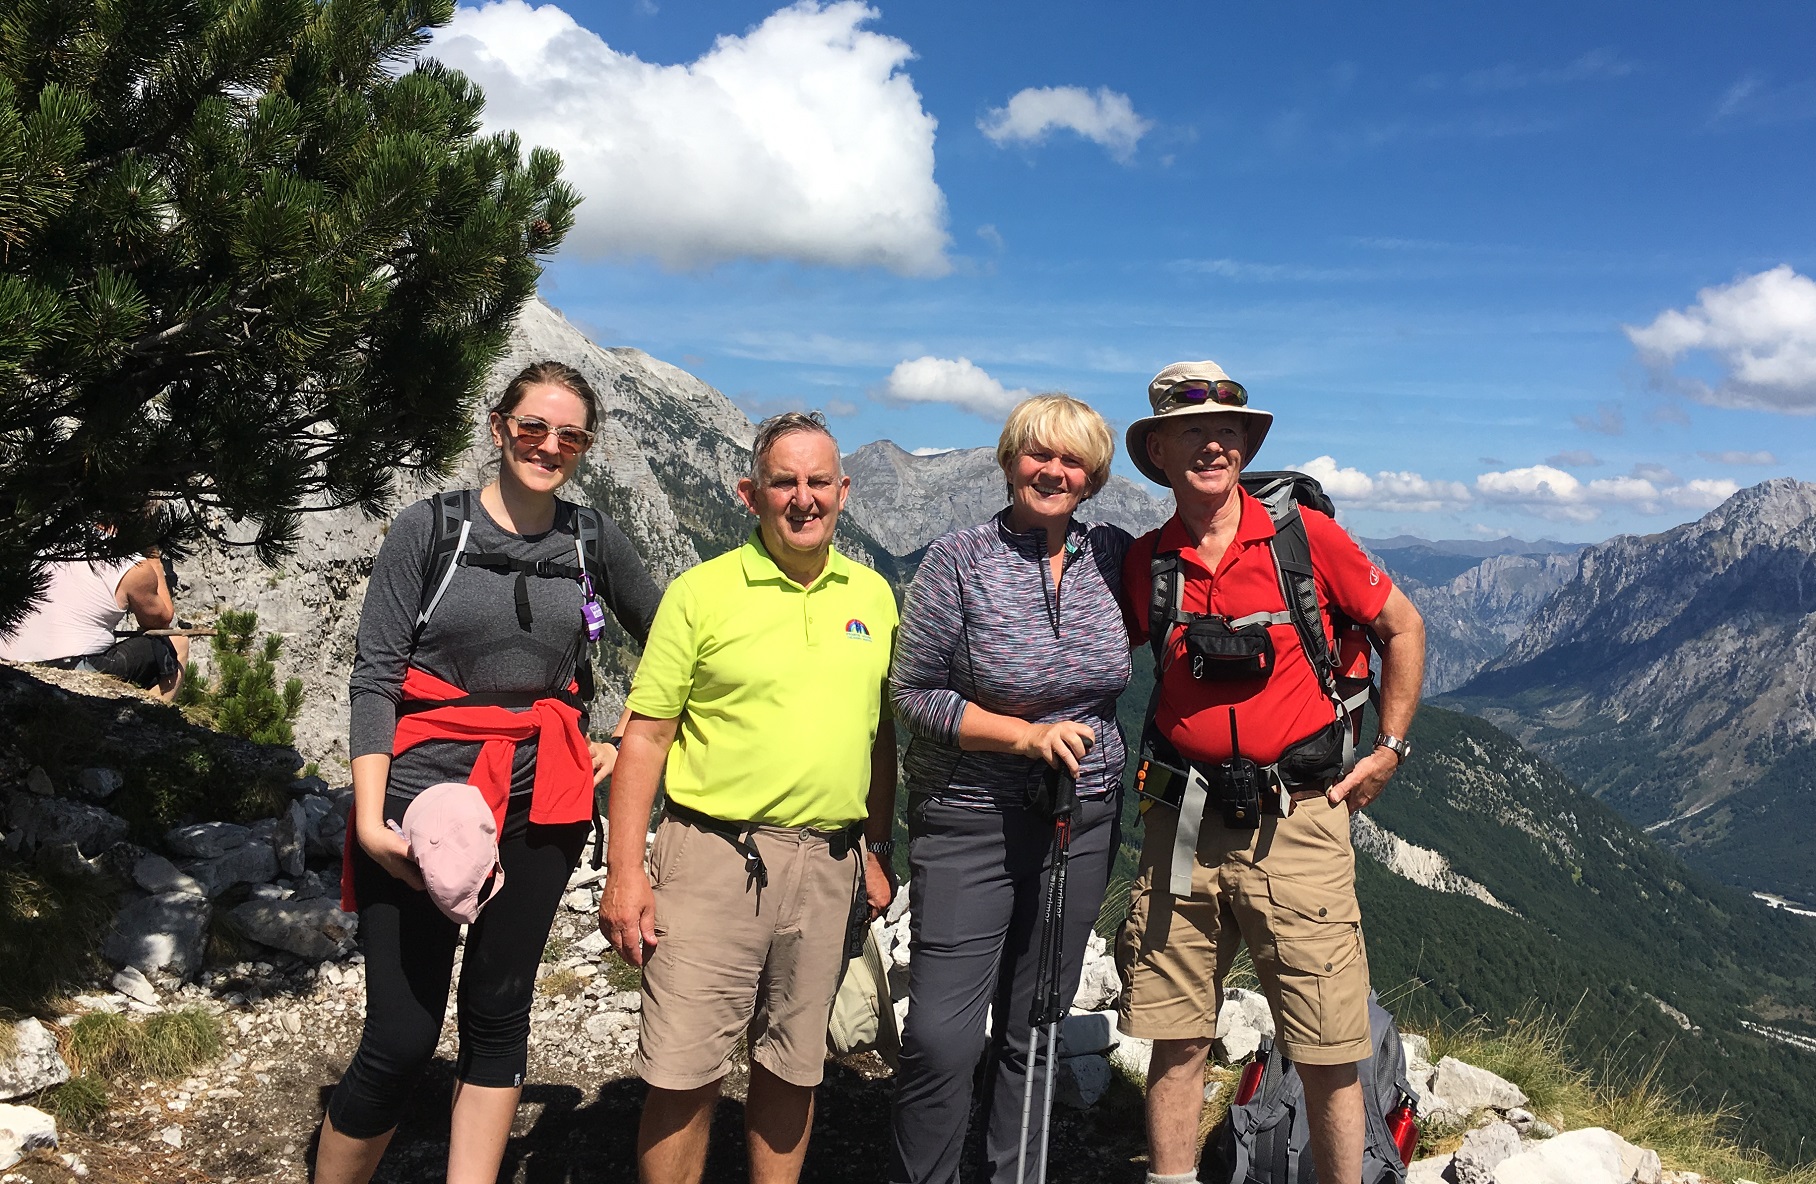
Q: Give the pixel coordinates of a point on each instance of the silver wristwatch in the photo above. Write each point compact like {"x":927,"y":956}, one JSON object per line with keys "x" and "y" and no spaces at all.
{"x":1393,"y":744}
{"x":881,"y":848}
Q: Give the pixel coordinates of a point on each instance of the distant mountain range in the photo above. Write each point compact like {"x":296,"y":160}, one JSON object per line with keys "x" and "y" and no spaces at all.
{"x":1675,"y":676}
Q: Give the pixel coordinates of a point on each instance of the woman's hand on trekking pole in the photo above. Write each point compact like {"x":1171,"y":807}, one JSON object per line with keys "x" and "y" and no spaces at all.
{"x":627,"y":914}
{"x":1061,"y":745}
{"x":390,"y":851}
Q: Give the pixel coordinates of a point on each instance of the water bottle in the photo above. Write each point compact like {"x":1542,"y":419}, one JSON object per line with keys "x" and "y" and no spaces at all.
{"x":1405,"y":1130}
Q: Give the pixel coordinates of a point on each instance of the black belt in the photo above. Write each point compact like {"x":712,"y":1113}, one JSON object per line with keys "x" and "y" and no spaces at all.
{"x":839,"y":843}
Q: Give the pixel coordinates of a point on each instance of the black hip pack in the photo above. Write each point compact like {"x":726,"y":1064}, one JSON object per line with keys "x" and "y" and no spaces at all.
{"x":1221,"y":651}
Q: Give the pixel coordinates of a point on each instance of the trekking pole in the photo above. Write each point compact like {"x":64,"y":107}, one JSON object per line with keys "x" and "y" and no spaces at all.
{"x":1046,"y":1010}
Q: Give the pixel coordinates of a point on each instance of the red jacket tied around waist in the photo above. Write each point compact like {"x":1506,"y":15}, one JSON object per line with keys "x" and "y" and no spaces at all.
{"x":563,"y":789}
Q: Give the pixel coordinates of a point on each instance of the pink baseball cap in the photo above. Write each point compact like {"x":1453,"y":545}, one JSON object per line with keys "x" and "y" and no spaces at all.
{"x":453,"y":838}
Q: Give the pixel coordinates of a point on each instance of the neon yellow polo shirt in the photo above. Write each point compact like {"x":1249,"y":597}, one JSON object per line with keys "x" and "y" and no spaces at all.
{"x":778,"y":688}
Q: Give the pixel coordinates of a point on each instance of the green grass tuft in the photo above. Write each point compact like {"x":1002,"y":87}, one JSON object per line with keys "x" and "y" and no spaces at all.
{"x":168,"y":1045}
{"x":561,"y":983}
{"x":621,"y":974}
{"x":77,"y":1103}
{"x":102,"y":1043}
{"x":178,"y":1041}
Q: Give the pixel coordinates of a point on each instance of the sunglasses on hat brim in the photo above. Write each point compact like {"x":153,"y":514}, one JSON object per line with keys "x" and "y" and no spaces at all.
{"x":1196,"y":392}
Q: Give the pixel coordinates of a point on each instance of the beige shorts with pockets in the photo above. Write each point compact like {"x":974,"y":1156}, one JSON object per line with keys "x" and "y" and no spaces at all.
{"x":1287,"y":889}
{"x":733,"y":958}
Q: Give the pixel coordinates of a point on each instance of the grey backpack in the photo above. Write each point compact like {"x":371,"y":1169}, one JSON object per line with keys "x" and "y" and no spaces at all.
{"x":1265,"y":1140}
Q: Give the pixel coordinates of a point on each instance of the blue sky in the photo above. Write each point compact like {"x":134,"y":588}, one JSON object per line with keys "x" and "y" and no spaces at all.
{"x":1540,"y":269}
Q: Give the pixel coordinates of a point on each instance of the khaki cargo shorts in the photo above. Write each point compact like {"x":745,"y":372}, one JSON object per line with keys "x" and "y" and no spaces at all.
{"x":1287,"y":889}
{"x":735,"y":959}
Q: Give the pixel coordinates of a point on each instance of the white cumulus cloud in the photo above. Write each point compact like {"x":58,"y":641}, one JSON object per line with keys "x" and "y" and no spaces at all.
{"x":1702,"y":494}
{"x":1760,"y":331}
{"x":801,"y":139}
{"x":957,"y":381}
{"x":1404,"y":492}
{"x":1105,"y":117}
{"x":1555,"y":494}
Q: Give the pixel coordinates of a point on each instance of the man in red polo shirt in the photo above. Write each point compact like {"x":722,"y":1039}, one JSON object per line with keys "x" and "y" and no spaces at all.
{"x":1285,"y":885}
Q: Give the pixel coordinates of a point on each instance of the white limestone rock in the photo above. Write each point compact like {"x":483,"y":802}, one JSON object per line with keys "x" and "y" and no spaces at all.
{"x":133,"y":984}
{"x":97,"y":785}
{"x":35,"y":1064}
{"x":1099,"y":986}
{"x":1466,"y":1089}
{"x":168,"y":932}
{"x":312,"y":929}
{"x":290,"y":839}
{"x":1588,"y":1156}
{"x":1435,"y":1170}
{"x":1132,"y":1054}
{"x":45,"y":822}
{"x":158,"y":875}
{"x":1242,"y":1021}
{"x":252,"y":862}
{"x":206,"y":840}
{"x":1483,"y":1149}
{"x":23,"y":1129}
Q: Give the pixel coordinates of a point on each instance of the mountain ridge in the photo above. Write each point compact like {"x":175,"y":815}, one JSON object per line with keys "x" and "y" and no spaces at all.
{"x":1675,"y":672}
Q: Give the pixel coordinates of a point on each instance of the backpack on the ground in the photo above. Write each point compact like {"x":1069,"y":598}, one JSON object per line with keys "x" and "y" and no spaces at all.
{"x":1265,"y":1139}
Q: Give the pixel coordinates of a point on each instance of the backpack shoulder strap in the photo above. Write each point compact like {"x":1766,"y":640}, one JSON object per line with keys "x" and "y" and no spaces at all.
{"x":1292,"y":553}
{"x":453,"y":525}
{"x":1166,"y":602}
{"x":589,"y":528}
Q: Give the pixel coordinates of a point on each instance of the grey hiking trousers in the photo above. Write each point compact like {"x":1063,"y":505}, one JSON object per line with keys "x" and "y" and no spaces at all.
{"x":979,"y":879}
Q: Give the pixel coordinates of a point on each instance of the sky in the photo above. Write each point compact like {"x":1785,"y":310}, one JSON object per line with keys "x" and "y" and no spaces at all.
{"x":1541,"y":269}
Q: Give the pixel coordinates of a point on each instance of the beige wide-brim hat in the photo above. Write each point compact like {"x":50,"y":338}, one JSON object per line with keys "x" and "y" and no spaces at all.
{"x":1136,"y":439}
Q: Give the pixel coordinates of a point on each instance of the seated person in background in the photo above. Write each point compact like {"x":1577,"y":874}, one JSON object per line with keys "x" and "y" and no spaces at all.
{"x":73,"y":625}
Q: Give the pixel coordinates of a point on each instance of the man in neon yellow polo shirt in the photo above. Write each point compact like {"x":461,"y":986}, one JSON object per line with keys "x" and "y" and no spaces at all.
{"x":762,"y":689}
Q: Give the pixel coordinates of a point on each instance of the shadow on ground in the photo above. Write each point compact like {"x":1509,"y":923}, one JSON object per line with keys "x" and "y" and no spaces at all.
{"x":575,"y":1140}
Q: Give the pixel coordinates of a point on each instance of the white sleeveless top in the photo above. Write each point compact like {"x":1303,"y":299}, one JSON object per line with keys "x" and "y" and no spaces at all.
{"x":77,"y":615}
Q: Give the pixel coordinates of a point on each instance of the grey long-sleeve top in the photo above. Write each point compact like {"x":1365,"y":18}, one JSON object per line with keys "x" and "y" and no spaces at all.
{"x":473,"y":640}
{"x":985,"y":624}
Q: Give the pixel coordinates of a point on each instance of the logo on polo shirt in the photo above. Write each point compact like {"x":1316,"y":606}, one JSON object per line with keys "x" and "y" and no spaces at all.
{"x":857,"y":630}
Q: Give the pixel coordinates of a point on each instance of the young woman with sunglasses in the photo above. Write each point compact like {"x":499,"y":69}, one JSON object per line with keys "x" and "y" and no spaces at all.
{"x":507,"y":626}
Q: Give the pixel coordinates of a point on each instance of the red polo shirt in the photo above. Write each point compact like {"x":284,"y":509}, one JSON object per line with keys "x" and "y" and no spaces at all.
{"x":1286,"y":706}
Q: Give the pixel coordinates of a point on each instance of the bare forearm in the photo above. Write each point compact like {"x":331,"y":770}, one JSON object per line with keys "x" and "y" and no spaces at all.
{"x":370,"y":774}
{"x":635,"y":778}
{"x":980,"y":730}
{"x":1402,"y":679}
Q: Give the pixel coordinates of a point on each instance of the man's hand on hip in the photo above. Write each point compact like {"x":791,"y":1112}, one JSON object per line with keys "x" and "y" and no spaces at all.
{"x":879,"y":884}
{"x":627,"y":914}
{"x":1366,"y":781}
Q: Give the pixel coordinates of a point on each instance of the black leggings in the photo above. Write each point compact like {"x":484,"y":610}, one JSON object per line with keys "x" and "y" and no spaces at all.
{"x":409,"y":948}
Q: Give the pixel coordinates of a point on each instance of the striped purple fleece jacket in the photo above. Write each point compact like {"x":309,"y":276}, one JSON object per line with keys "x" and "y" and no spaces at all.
{"x":984,"y":624}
